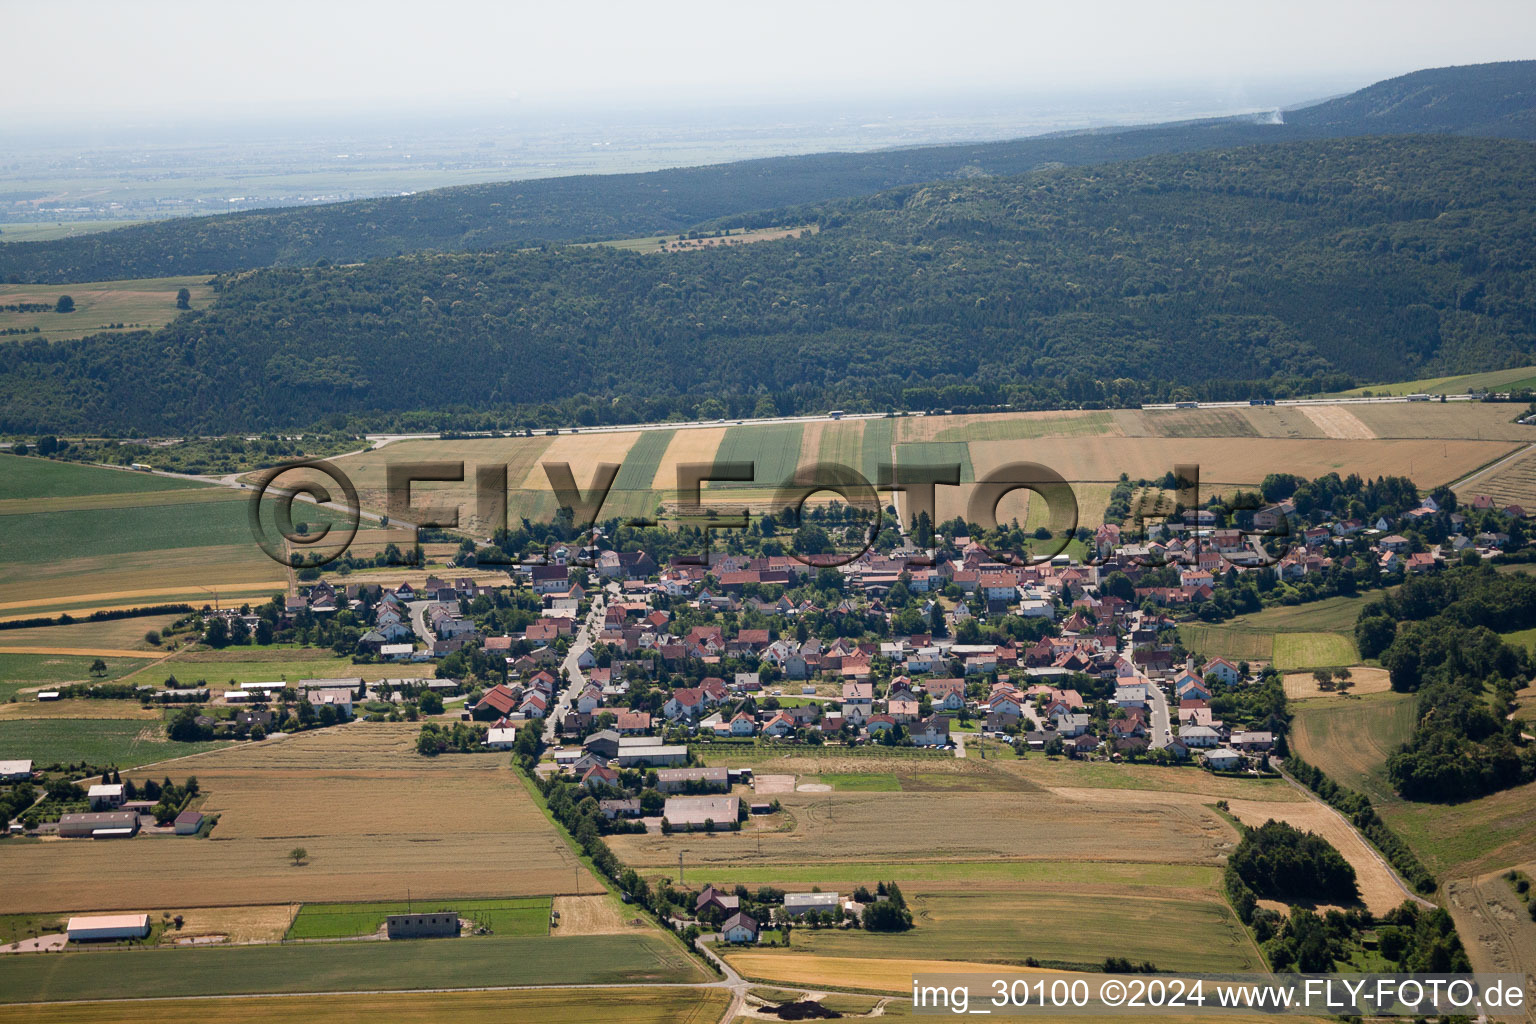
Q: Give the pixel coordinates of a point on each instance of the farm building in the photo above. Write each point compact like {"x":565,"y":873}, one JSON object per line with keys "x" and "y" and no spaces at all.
{"x":105,"y":797}
{"x":15,"y":771}
{"x":99,"y":825}
{"x":441,"y":924}
{"x":797,"y":903}
{"x":693,"y":812}
{"x":651,"y":755}
{"x":108,"y":928}
{"x":188,"y":822}
{"x":679,"y":780}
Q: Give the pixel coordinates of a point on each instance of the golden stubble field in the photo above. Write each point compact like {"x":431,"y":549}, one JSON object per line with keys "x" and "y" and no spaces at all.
{"x":1433,"y":443}
{"x":374,"y":817}
{"x":951,"y":826}
{"x":661,"y":1005}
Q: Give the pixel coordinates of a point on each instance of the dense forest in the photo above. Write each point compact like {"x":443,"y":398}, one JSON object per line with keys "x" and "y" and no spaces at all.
{"x":1487,"y":99}
{"x":1216,"y":275}
{"x":1438,"y":637}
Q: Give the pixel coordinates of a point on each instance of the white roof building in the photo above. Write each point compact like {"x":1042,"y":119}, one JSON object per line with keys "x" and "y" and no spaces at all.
{"x":12,"y":770}
{"x":108,"y":927}
{"x":797,"y":903}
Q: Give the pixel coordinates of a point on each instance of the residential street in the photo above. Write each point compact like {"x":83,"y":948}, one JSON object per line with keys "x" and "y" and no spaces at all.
{"x":1162,"y":724}
{"x":580,"y":642}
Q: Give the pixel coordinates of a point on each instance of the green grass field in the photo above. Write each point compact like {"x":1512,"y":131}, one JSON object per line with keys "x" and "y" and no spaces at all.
{"x":1352,"y":739}
{"x":505,"y":917}
{"x":31,"y":477}
{"x":1294,"y":637}
{"x":33,"y":231}
{"x":774,"y":448}
{"x":1302,"y":651}
{"x":1228,"y":642}
{"x":137,"y":305}
{"x":877,"y":783}
{"x":1007,"y":927}
{"x":1332,"y":615}
{"x":19,"y":671}
{"x":937,"y":453}
{"x":257,"y":669}
{"x":1493,"y":380}
{"x":1480,"y":835}
{"x":347,"y":966}
{"x":96,"y":742}
{"x":44,"y":537}
{"x":875,"y":447}
{"x":638,"y":470}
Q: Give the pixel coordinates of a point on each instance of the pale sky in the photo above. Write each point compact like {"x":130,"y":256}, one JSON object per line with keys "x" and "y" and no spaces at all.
{"x":280,"y":56}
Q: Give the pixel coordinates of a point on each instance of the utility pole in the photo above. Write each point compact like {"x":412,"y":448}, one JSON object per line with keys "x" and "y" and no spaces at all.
{"x":679,"y":867}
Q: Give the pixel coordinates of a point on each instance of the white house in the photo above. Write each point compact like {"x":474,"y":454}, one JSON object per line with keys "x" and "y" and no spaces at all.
{"x":1132,"y":696}
{"x":1223,"y":759}
{"x":1224,"y":671}
{"x":1199,"y":736}
{"x":105,"y":797}
{"x":739,"y":928}
{"x":501,"y":739}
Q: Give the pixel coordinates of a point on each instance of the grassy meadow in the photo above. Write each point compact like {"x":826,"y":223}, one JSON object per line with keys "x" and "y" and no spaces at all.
{"x":521,"y":917}
{"x":99,"y":305}
{"x":329,"y":967}
{"x":121,"y":742}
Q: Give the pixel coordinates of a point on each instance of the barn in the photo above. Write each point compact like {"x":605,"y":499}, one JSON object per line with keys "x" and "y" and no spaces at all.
{"x":108,"y":928}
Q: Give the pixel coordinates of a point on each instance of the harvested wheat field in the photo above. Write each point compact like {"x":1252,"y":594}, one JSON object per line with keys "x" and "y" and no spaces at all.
{"x":236,"y":924}
{"x":962,"y":826}
{"x":1473,"y":420}
{"x":1494,"y":924}
{"x":1338,"y":422}
{"x":358,"y":746}
{"x":697,"y":444}
{"x":367,"y":830}
{"x":583,"y":452}
{"x":1243,"y":460}
{"x":1364,"y":679}
{"x":81,"y":708}
{"x":871,"y":975}
{"x":595,"y":915}
{"x":1513,"y":483}
{"x":83,"y":652}
{"x":595,"y":1006}
{"x":120,"y":598}
{"x":1379,"y":889}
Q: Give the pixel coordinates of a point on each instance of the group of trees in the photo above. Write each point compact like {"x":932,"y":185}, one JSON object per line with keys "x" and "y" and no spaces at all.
{"x":1279,"y":861}
{"x":1063,"y":287}
{"x":1438,"y":637}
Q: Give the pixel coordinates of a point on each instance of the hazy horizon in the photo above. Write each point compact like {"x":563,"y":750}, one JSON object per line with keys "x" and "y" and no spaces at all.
{"x":170,"y":61}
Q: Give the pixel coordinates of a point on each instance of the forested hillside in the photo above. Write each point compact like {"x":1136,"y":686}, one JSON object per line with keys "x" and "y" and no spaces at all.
{"x":1176,"y":275}
{"x":1494,"y":99}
